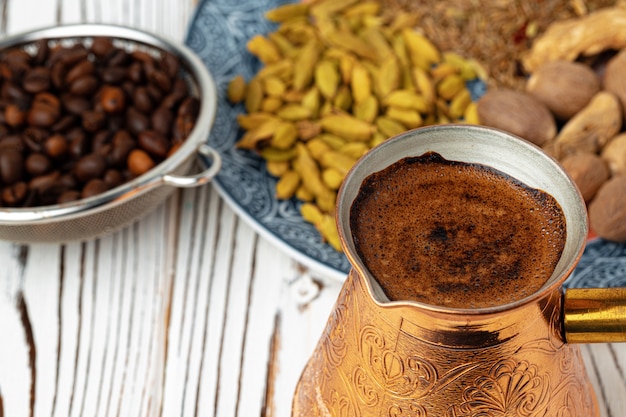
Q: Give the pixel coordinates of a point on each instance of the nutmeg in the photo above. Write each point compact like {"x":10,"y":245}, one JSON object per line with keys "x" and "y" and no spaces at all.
{"x":607,"y":212}
{"x":565,"y":87}
{"x":517,"y":112}
{"x":588,"y":171}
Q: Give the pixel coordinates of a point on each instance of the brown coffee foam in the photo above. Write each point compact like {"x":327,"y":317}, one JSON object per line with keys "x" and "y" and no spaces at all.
{"x":455,"y":234}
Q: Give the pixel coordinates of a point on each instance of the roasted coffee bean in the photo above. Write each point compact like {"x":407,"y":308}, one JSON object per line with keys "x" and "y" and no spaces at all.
{"x":93,"y":120}
{"x":74,"y":55}
{"x":179,"y":92}
{"x":90,"y":166}
{"x":34,"y":138}
{"x":12,"y":141}
{"x":5,"y":71}
{"x":135,"y":73}
{"x":84,"y":86}
{"x":114,"y":75}
{"x":80,"y":70}
{"x":76,"y":120}
{"x":11,"y":166}
{"x":57,"y":75}
{"x":161,"y":80}
{"x":42,"y":115}
{"x":64,"y":123}
{"x":136,"y":121}
{"x":102,"y":47}
{"x":119,"y":58}
{"x":113,"y":178}
{"x":187,"y":114}
{"x":68,"y":181}
{"x":15,"y":55}
{"x":93,"y":187}
{"x":13,"y":195}
{"x":45,"y":182}
{"x":123,"y":143}
{"x":48,"y":100}
{"x":128,"y":88}
{"x":14,"y":93}
{"x":68,"y":196}
{"x":18,"y":60}
{"x":139,"y":162}
{"x":37,"y":80}
{"x":112,"y":99}
{"x":154,"y":143}
{"x":170,"y":65}
{"x":116,"y":122}
{"x":42,"y":52}
{"x":142,"y":56}
{"x":101,"y":139}
{"x":189,"y":108}
{"x":75,"y":104}
{"x":78,"y":145}
{"x":142,"y":100}
{"x":155,"y":94}
{"x":148,"y":68}
{"x":37,"y":164}
{"x":122,"y":137}
{"x":161,"y":120}
{"x":14,"y":116}
{"x":56,"y":146}
{"x":45,"y":110}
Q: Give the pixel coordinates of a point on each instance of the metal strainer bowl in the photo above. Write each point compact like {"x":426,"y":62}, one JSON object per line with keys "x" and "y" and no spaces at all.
{"x":120,"y":206}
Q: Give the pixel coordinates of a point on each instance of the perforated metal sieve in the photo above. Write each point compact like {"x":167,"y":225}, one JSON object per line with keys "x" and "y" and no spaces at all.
{"x":120,"y":206}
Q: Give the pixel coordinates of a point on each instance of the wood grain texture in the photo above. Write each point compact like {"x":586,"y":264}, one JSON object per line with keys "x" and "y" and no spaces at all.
{"x":187,"y":312}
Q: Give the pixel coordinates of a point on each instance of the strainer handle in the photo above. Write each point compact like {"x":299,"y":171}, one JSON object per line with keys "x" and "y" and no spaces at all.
{"x":200,"y":178}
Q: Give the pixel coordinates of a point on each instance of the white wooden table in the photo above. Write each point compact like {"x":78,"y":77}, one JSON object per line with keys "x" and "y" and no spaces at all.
{"x":188,"y":312}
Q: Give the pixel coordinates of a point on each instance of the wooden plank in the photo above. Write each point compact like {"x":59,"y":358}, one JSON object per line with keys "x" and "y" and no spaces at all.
{"x":272,"y":271}
{"x":303,"y":318}
{"x":237,"y":278}
{"x":608,"y":381}
{"x":25,"y":15}
{"x":70,"y":281}
{"x":200,"y":225}
{"x":15,"y":362}
{"x":72,"y":11}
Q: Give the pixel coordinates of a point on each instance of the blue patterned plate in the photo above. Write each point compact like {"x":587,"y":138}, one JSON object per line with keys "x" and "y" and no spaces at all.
{"x":218,"y":33}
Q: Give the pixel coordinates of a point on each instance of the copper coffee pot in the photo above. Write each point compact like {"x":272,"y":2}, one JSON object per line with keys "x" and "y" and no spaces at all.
{"x":402,"y":358}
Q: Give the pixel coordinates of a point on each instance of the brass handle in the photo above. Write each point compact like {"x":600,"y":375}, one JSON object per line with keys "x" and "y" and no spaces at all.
{"x":595,"y":315}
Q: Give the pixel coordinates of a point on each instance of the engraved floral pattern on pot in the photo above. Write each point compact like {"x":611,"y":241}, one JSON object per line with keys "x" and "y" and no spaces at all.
{"x":334,"y":340}
{"x":510,"y":388}
{"x":397,"y":374}
{"x":365,"y":388}
{"x":339,"y":406}
{"x":412,"y":410}
{"x":573,"y":400}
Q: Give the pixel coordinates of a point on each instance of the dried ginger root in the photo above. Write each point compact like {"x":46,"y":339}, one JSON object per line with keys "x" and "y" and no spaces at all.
{"x":585,"y":36}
